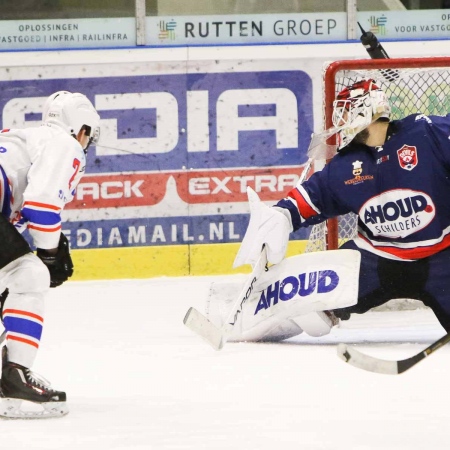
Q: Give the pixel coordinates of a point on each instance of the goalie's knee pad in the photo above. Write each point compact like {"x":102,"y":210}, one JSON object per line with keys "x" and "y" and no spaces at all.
{"x":316,"y":324}
{"x":27,"y":274}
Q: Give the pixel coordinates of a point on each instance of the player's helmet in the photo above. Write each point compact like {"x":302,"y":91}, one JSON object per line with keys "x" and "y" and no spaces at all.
{"x":73,"y":111}
{"x":356,"y":107}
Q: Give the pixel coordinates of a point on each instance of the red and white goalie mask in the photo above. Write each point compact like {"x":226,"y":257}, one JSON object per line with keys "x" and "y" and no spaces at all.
{"x":356,"y":107}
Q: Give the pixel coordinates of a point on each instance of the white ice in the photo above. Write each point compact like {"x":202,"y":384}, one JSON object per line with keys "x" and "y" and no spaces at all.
{"x":136,"y":378}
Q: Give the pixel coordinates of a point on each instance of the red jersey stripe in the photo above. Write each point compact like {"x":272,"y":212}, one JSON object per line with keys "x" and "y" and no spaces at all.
{"x":42,"y":205}
{"x":411,"y":253}
{"x":303,"y":206}
{"x":51,"y":230}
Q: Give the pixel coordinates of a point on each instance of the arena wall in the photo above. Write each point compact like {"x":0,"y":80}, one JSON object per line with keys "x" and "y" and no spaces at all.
{"x":184,"y":132}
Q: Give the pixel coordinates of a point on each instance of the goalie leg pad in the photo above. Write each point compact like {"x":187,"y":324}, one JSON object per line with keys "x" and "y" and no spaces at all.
{"x":290,"y":296}
{"x":221,"y":296}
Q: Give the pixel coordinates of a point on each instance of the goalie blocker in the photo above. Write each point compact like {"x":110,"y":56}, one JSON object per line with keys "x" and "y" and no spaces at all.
{"x":291,"y":297}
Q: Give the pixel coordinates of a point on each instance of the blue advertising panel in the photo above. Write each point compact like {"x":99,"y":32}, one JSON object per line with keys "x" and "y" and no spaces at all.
{"x":177,"y":152}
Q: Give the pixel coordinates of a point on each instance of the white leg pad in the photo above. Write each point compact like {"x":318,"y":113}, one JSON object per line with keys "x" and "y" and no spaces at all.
{"x":221,"y":297}
{"x":290,"y":297}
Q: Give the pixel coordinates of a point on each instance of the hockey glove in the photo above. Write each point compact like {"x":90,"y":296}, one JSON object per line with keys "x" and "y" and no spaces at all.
{"x":59,"y":264}
{"x":268,"y":225}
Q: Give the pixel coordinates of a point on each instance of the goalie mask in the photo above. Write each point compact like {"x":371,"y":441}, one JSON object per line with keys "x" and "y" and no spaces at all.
{"x":74,"y":112}
{"x":356,"y":107}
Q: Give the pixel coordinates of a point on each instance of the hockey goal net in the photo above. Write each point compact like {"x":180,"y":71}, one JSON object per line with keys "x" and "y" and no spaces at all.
{"x":413,"y":85}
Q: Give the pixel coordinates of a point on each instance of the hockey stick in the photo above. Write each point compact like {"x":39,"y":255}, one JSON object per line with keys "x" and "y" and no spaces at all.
{"x":370,"y":363}
{"x":376,"y":51}
{"x":215,"y":336}
{"x":2,"y":337}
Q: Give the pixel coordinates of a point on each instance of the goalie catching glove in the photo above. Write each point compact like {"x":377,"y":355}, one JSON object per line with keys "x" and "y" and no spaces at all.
{"x":269,"y":226}
{"x":59,"y":264}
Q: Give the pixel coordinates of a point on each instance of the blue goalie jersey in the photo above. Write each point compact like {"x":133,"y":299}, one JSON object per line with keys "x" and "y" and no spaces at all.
{"x":400,"y":191}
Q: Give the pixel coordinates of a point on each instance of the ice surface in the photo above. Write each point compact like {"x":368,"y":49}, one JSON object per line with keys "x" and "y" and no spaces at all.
{"x":136,"y":378}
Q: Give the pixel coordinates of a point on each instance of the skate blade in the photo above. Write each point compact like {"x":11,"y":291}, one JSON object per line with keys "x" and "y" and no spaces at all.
{"x":13,"y":408}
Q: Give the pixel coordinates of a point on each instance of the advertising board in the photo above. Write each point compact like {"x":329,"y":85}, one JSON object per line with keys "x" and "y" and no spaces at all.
{"x":177,"y":150}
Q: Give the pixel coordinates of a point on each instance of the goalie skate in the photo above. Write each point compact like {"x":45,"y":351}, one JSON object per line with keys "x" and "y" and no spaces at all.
{"x":25,"y":395}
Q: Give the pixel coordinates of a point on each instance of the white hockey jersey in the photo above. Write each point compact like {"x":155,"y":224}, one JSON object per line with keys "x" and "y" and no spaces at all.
{"x":39,"y":170}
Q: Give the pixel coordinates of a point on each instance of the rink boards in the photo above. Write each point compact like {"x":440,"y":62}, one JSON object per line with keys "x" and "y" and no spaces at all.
{"x":184,"y":132}
{"x":181,"y":140}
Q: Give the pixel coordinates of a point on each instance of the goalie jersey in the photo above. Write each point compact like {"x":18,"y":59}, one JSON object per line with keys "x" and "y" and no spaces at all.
{"x":400,"y":191}
{"x":39,"y":171}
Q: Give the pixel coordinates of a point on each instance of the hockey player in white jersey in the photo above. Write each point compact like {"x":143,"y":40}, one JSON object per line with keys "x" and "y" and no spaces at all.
{"x":40,"y":168}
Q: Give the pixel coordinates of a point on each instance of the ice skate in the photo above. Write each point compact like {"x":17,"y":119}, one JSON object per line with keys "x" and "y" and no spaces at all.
{"x":26,"y":395}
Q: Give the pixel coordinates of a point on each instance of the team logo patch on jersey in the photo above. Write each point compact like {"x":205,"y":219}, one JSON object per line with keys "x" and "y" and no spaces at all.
{"x":357,"y":168}
{"x":407,"y":157}
{"x":398,"y":213}
{"x":357,"y":172}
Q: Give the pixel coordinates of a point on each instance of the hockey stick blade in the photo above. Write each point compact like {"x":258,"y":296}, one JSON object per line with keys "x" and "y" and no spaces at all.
{"x":200,"y":325}
{"x":362,"y":361}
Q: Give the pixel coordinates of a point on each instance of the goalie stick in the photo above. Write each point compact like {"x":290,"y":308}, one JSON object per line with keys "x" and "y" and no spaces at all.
{"x":370,"y":363}
{"x":215,"y":336}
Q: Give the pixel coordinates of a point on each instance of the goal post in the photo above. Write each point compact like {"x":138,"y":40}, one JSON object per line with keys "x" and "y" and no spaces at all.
{"x":412,"y":85}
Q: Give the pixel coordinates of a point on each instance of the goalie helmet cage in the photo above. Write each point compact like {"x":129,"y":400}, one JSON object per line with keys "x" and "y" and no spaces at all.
{"x":412,"y":85}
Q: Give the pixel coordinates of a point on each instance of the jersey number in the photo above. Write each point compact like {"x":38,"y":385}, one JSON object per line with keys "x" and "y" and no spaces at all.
{"x":76,"y":165}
